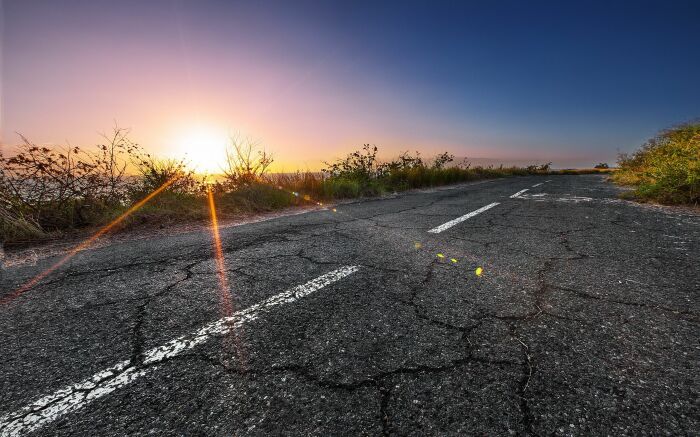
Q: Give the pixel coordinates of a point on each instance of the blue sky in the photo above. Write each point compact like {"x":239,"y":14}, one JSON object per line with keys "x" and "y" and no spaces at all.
{"x":568,"y":82}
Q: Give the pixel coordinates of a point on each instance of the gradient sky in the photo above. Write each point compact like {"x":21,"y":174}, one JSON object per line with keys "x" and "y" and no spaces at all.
{"x":312,"y":80}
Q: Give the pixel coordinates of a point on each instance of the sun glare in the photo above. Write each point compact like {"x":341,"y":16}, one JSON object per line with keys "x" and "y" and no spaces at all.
{"x":204,"y":149}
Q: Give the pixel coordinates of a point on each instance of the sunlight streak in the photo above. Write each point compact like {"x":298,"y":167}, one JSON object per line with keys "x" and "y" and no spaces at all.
{"x":219,"y":258}
{"x":225,"y":295}
{"x":84,"y":245}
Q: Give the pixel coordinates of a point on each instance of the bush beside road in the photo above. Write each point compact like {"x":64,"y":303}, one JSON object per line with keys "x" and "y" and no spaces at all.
{"x":46,"y":193}
{"x":666,"y":169}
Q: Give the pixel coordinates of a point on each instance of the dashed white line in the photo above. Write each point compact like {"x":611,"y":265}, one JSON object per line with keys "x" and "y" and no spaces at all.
{"x":68,"y":399}
{"x":574,"y":199}
{"x":516,"y":195}
{"x":537,"y":185}
{"x":458,"y":220}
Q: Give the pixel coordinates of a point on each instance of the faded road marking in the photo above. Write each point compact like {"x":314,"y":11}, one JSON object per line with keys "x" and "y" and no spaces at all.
{"x":458,"y":220}
{"x":537,"y":185}
{"x":516,"y":195}
{"x":68,"y":399}
{"x":574,"y":199}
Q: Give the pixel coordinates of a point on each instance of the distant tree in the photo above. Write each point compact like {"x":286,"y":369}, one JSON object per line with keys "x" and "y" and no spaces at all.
{"x":602,"y":165}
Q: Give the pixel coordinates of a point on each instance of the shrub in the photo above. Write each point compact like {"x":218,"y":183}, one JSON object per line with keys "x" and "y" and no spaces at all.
{"x":341,"y":187}
{"x":666,"y":168}
{"x":360,"y":174}
{"x":154,"y":173}
{"x":46,"y":190}
{"x":55,"y":188}
{"x":542,"y":168}
{"x":442,"y":159}
{"x":245,"y":162}
{"x":256,"y":197}
{"x":404,"y":162}
{"x":359,"y":165}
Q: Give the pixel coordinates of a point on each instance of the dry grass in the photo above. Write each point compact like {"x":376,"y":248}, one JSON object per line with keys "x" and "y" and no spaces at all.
{"x":45,"y":193}
{"x":666,"y":169}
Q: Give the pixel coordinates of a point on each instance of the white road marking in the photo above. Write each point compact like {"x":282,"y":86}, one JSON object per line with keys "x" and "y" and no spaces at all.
{"x":570,"y":199}
{"x":516,"y":195}
{"x":574,"y":199}
{"x":458,"y":220}
{"x":68,"y":399}
{"x":537,"y":185}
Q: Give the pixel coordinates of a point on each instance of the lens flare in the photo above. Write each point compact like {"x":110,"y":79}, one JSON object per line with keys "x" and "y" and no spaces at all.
{"x":84,"y":245}
{"x":219,"y":258}
{"x":225,"y":291}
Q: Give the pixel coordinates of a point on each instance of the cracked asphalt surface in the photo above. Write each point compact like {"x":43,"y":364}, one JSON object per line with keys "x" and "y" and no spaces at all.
{"x":584,"y":321}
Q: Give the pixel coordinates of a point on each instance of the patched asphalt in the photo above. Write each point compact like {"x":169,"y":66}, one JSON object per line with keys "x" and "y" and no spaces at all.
{"x":585,"y":321}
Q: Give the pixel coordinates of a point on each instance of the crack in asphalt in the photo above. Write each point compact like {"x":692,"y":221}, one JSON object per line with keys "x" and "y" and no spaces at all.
{"x":377,"y":381}
{"x":528,"y":369}
{"x":689,"y":316}
{"x":137,"y":334}
{"x":313,"y":236}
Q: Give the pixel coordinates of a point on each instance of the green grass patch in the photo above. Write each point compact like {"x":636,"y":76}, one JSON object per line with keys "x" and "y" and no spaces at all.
{"x":666,"y":169}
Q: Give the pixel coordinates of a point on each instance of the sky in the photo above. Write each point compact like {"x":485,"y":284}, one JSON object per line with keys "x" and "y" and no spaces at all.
{"x":573,"y":83}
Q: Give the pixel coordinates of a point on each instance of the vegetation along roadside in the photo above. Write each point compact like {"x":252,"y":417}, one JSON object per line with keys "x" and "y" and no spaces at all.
{"x":666,"y":169}
{"x":45,"y":193}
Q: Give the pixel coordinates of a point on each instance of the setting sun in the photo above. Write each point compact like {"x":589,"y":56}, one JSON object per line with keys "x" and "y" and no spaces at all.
{"x":204,"y":148}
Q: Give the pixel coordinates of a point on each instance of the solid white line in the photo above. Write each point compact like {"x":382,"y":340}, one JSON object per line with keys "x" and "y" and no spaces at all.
{"x":49,"y":408}
{"x":458,"y":220}
{"x":537,"y":185}
{"x":518,"y":193}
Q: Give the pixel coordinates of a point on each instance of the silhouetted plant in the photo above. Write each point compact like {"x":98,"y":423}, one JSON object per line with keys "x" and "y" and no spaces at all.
{"x":112,"y":161}
{"x":246,"y":162}
{"x":44,"y":183}
{"x":361,"y":164}
{"x":403,"y":162}
{"x":443,"y":159}
{"x":46,"y":189}
{"x":539,"y":168}
{"x":157,"y":172}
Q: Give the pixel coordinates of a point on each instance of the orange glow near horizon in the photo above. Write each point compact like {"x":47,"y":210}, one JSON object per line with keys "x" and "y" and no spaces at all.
{"x":84,"y":245}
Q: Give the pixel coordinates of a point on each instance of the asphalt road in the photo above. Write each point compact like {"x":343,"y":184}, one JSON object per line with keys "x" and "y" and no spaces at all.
{"x":584,"y":321}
